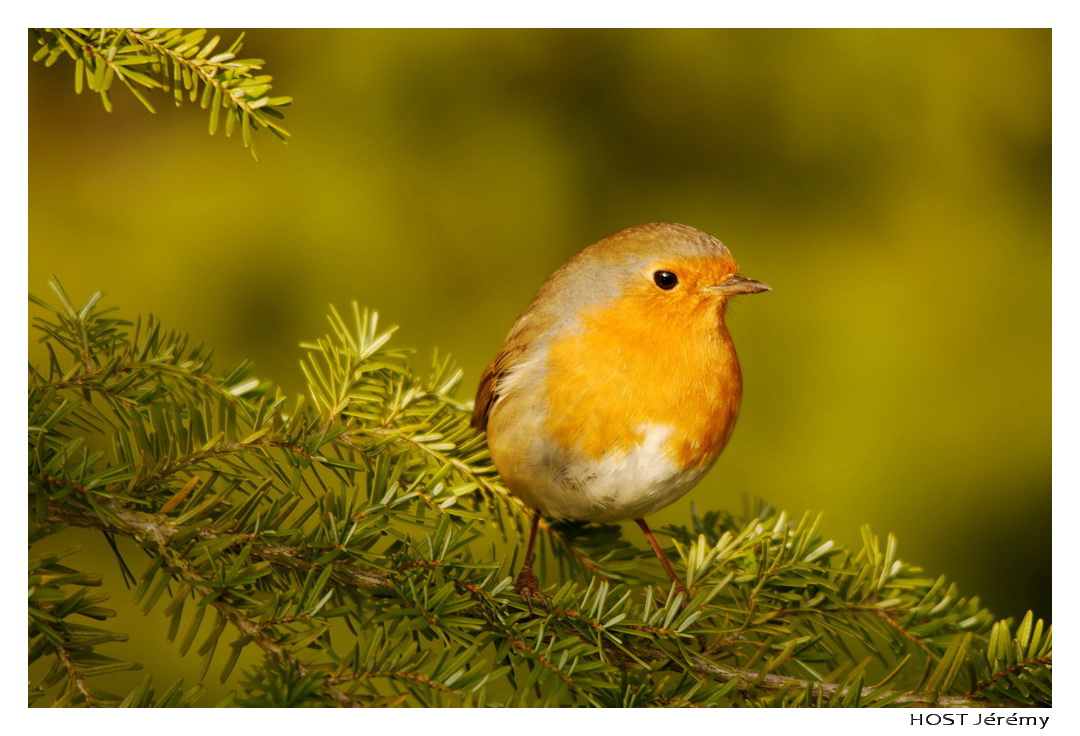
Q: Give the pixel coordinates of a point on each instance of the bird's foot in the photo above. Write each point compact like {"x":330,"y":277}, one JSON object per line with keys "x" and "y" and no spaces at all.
{"x":528,"y":587}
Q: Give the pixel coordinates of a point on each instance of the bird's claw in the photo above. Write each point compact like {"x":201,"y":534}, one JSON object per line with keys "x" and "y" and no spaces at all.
{"x":528,"y":587}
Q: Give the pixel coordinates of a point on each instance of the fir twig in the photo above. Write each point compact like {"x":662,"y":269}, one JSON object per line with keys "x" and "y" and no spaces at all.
{"x":171,"y":60}
{"x":160,"y":528}
{"x":357,"y":540}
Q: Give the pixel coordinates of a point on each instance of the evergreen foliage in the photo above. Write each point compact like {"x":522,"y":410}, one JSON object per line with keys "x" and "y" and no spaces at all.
{"x":356,"y":542}
{"x":175,"y":62}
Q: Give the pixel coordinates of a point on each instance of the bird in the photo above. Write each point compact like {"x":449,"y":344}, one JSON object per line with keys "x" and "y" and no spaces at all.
{"x":618,"y":386}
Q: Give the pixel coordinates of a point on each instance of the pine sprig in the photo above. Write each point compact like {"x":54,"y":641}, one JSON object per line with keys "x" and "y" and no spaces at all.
{"x":176,"y":62}
{"x":57,"y":595}
{"x":353,"y":549}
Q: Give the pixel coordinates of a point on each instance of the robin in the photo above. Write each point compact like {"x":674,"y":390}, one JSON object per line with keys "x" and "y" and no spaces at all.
{"x":618,"y":386}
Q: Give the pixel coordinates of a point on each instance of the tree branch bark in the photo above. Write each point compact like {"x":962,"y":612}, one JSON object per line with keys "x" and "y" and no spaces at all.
{"x":141,"y":525}
{"x":158,"y":529}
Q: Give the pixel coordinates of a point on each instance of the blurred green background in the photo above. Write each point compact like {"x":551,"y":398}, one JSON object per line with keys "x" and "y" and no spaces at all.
{"x":892,"y":186}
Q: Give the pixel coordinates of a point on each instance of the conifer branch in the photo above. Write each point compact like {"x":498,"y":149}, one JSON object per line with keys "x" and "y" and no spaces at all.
{"x":751,"y":681}
{"x":170,"y":60}
{"x":161,"y":528}
{"x":75,"y":678}
{"x":353,"y":541}
{"x":150,"y":531}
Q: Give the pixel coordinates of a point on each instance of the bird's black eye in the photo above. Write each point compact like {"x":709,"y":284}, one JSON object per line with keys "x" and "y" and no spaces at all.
{"x":666,"y":280}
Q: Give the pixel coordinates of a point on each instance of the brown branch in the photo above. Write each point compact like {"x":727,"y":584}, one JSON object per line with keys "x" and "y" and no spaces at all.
{"x":149,"y":530}
{"x":539,"y":658}
{"x":388,"y":431}
{"x":752,"y":680}
{"x":158,"y":529}
{"x":77,"y":384}
{"x":146,"y":526}
{"x":94,"y":380}
{"x":227,"y":448}
{"x":205,"y":69}
{"x":391,"y":674}
{"x":888,"y":615}
{"x":75,"y":677}
{"x":59,"y":483}
{"x":1008,"y":671}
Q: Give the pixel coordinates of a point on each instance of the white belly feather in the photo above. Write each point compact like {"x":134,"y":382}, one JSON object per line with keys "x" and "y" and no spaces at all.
{"x":618,"y":486}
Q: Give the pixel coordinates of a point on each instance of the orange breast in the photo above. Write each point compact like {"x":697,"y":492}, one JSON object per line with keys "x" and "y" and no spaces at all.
{"x":641,"y":361}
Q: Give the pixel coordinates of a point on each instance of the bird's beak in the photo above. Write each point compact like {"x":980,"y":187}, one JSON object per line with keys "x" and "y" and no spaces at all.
{"x":739,"y":285}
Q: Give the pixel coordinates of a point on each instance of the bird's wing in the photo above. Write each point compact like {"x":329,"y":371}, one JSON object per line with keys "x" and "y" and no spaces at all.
{"x":487,"y":392}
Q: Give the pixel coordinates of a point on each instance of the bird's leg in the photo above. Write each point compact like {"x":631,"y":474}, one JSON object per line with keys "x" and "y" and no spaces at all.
{"x":527,"y":586}
{"x":679,"y":586}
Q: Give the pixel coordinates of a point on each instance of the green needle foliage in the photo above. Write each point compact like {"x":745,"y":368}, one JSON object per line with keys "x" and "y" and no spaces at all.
{"x":351,"y":550}
{"x":175,"y":62}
